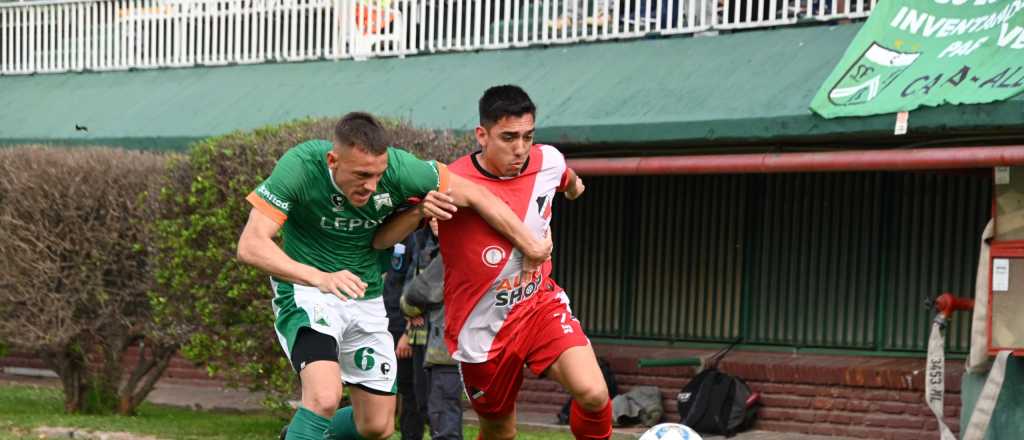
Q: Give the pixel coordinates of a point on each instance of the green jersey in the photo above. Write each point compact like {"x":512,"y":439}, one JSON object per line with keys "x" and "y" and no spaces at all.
{"x":320,"y":227}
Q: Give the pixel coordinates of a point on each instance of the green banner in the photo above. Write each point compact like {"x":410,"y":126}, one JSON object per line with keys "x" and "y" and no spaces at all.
{"x":928,"y":52}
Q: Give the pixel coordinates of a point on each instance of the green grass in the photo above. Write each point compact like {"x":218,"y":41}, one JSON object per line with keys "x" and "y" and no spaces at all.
{"x":25,"y":407}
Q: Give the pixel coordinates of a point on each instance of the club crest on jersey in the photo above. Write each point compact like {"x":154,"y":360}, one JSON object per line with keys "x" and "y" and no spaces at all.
{"x":338,"y":201}
{"x":382,"y":200}
{"x":492,"y":255}
{"x":544,"y":206}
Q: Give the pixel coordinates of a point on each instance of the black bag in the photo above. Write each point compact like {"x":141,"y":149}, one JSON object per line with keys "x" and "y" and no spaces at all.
{"x":714,"y":402}
{"x":609,"y":381}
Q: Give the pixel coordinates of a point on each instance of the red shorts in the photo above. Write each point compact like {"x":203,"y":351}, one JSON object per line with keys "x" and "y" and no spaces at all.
{"x":492,"y":386}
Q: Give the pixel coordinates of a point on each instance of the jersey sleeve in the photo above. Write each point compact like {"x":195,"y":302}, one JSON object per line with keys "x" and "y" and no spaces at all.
{"x":563,"y":184}
{"x":557,"y":160}
{"x":280,"y":192}
{"x":417,"y":177}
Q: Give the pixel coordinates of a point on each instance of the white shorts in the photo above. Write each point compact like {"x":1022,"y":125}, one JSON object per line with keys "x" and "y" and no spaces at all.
{"x":366,"y":350}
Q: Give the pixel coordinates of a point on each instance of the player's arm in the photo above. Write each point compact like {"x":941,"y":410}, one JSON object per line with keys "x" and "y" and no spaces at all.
{"x":463,"y":193}
{"x":435,"y":205}
{"x":497,"y":214}
{"x":398,"y":227}
{"x":572,"y":185}
{"x":257,"y":248}
{"x":448,"y":191}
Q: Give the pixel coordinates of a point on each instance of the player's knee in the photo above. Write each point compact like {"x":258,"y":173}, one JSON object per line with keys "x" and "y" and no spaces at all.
{"x":323,"y":401}
{"x":377,"y":428}
{"x":593,"y":397}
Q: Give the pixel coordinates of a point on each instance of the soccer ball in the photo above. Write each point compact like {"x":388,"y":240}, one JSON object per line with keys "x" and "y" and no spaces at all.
{"x":670,"y":431}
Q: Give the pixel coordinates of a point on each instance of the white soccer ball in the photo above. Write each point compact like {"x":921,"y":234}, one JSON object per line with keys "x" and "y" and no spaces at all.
{"x":670,"y":431}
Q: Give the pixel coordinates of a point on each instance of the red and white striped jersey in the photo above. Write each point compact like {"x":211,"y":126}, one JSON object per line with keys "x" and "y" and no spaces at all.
{"x":484,"y":294}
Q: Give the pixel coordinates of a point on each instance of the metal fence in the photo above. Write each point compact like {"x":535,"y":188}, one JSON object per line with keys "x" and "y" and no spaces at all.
{"x":73,"y":36}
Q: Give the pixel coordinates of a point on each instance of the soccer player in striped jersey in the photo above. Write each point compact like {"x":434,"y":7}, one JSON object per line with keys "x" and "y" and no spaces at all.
{"x":500,"y":314}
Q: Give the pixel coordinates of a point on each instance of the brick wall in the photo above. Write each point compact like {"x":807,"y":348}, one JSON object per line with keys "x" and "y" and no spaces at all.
{"x":179,"y":368}
{"x":865,"y":397}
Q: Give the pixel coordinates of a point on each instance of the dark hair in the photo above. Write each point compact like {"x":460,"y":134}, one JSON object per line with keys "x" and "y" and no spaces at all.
{"x":361,"y":129}
{"x":501,"y":101}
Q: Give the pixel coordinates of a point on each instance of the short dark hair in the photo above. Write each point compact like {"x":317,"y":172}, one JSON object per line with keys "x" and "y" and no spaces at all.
{"x":363,"y":130}
{"x":502,"y":101}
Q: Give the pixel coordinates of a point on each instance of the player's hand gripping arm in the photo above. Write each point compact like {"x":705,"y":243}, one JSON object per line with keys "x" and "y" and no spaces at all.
{"x":434,"y":205}
{"x":256,"y":247}
{"x":464,"y":193}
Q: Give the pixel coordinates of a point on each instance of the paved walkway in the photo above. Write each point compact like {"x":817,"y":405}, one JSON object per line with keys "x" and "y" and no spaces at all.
{"x":538,"y":421}
{"x":201,"y":395}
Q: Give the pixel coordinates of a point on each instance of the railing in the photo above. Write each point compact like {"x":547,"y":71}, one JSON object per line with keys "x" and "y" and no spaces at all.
{"x":105,"y":35}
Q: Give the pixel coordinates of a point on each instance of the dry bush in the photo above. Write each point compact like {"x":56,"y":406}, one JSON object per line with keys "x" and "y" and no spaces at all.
{"x":74,"y":274}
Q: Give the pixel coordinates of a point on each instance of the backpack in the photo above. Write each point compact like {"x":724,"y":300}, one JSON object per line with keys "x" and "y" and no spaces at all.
{"x":714,"y":402}
{"x":609,"y":381}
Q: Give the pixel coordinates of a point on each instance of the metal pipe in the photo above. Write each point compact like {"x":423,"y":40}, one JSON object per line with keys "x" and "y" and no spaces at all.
{"x":863,"y":160}
{"x":675,"y":362}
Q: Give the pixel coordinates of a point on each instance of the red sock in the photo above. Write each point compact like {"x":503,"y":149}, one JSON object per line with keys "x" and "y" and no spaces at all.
{"x":595,"y":425}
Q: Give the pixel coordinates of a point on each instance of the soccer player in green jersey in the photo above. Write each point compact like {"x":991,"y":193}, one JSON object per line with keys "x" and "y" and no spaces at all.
{"x":328,"y":198}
